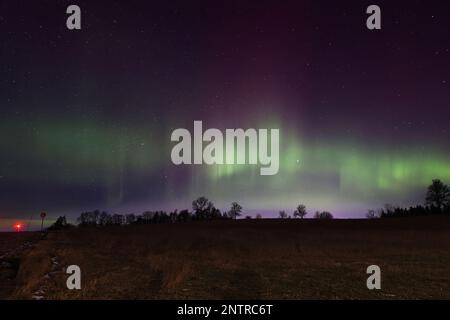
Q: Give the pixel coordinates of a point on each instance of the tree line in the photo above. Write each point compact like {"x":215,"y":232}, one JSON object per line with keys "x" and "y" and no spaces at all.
{"x":202,"y":209}
{"x":437,"y":201}
{"x":300,"y":212}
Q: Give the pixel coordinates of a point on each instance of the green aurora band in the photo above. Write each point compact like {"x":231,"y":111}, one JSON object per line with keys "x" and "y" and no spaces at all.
{"x":343,"y":177}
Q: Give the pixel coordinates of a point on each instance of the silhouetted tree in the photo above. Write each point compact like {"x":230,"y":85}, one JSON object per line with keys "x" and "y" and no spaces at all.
{"x":95,"y":216}
{"x":300,"y":211}
{"x":438,"y":194}
{"x":139,"y":219}
{"x":202,"y":207}
{"x":390,"y":208}
{"x":60,"y":223}
{"x":147,"y":217}
{"x":282,"y":214}
{"x":88,"y":218}
{"x":81,"y":220}
{"x":413,"y":211}
{"x":164,"y":217}
{"x":215,"y":213}
{"x":117,"y":219}
{"x":173,"y":216}
{"x":130,"y":218}
{"x":258,"y":216}
{"x":235,"y":210}
{"x":323,"y":215}
{"x":184,"y":216}
{"x":105,"y":219}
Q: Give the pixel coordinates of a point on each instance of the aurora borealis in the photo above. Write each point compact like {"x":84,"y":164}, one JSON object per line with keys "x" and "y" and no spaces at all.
{"x":86,"y":115}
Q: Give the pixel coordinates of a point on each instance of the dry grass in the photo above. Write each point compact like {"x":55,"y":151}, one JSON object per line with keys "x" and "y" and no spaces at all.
{"x":10,"y":242}
{"x":267,"y":259}
{"x":13,"y":246}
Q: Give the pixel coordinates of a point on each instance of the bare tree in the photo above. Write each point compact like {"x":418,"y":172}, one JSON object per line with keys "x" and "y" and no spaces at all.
{"x":202,"y":207}
{"x":235,"y":210}
{"x":282,"y":214}
{"x":325,"y":215}
{"x":300,"y":211}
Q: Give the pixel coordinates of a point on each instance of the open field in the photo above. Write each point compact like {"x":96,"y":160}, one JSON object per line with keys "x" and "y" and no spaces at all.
{"x":267,"y":259}
{"x":12,"y":247}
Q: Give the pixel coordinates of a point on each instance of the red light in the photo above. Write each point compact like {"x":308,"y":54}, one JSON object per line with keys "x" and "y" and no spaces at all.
{"x":18,"y":227}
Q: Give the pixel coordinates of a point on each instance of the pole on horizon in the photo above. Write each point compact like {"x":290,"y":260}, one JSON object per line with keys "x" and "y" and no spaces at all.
{"x":43,"y":215}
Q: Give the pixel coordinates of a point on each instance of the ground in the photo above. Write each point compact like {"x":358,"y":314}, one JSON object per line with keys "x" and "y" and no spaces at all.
{"x":12,"y":247}
{"x":246,"y":259}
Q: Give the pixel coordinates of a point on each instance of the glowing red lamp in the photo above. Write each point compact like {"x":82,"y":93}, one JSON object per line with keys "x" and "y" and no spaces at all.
{"x":18,"y":227}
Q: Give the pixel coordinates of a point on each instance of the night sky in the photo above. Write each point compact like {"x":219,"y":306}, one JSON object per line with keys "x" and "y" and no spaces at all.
{"x":86,"y":115}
